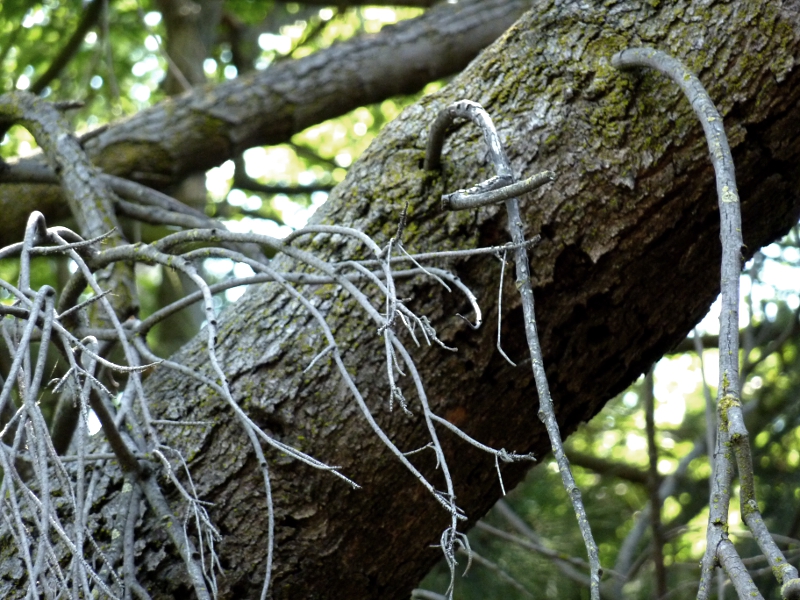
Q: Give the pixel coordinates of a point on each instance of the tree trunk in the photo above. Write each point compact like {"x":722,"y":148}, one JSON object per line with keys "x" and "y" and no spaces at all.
{"x":627,"y":264}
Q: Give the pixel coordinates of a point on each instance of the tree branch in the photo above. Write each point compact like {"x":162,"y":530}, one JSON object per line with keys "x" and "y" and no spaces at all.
{"x":653,"y":485}
{"x":90,"y":15}
{"x":88,"y":196}
{"x":197,"y":131}
{"x":624,"y":270}
{"x":607,"y":467}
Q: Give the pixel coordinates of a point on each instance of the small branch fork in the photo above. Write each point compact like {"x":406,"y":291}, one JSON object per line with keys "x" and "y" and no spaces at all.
{"x":731,"y":431}
{"x":502,"y":188}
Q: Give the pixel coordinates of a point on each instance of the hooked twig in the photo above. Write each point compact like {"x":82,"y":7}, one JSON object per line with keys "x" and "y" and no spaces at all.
{"x":731,"y":429}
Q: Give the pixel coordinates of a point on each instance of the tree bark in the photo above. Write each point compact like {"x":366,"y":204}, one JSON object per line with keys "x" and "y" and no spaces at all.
{"x":628,"y":262}
{"x":204,"y":128}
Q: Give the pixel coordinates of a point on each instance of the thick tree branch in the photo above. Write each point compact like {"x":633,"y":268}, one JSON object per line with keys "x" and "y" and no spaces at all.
{"x":626,"y":266}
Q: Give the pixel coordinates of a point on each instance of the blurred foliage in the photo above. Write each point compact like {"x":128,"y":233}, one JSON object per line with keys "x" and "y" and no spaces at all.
{"x":118,"y":69}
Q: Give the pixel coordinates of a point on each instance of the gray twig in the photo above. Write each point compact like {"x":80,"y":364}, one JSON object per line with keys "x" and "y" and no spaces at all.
{"x":475,"y":113}
{"x":731,"y":430}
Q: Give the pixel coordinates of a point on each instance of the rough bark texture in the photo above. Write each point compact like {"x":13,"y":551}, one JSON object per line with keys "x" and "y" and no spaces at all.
{"x":206,"y":127}
{"x":627,"y":264}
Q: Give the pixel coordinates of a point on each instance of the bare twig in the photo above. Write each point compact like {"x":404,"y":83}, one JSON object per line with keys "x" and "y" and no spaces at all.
{"x":731,"y":429}
{"x":475,"y":113}
{"x":652,"y":487}
{"x":88,"y":20}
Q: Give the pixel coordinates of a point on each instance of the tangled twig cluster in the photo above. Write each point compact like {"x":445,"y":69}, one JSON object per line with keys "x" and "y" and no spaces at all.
{"x":49,"y":493}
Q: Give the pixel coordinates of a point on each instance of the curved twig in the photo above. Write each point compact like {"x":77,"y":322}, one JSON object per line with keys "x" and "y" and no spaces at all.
{"x":475,"y":113}
{"x":731,"y":429}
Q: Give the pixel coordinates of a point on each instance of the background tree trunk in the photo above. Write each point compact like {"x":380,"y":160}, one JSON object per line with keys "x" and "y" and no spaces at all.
{"x":627,"y":264}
